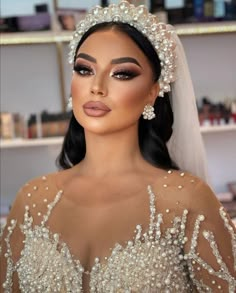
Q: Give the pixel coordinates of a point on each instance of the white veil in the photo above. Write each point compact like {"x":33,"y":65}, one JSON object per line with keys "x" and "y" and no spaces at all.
{"x":186,"y":145}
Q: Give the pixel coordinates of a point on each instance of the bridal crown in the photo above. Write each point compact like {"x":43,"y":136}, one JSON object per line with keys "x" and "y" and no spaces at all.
{"x":159,"y":34}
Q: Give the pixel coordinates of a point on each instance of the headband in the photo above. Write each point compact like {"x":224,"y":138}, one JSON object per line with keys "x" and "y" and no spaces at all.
{"x":159,"y":34}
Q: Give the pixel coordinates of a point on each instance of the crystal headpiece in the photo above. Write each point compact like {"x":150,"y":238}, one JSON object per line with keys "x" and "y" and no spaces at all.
{"x":159,"y":34}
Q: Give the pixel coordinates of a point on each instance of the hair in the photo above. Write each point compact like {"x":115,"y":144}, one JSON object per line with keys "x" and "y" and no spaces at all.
{"x":153,"y":134}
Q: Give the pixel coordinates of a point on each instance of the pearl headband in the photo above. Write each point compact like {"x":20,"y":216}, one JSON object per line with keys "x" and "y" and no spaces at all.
{"x":159,"y":34}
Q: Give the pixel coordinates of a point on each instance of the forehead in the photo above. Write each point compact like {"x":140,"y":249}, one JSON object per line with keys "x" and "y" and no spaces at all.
{"x":112,"y":44}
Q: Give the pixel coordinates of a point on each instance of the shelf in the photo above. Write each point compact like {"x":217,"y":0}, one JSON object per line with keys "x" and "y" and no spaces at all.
{"x":50,"y":141}
{"x":35,"y":37}
{"x":21,"y":143}
{"x":206,"y":28}
{"x":218,"y":128}
{"x":65,"y":36}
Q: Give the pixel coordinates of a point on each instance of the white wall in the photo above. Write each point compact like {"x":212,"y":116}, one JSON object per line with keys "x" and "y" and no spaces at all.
{"x":212,"y":64}
{"x":19,"y":165}
{"x":221,"y":155}
{"x":29,"y":79}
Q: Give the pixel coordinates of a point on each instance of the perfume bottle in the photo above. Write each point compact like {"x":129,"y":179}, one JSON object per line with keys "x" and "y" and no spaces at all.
{"x":198,"y":10}
{"x":208,"y":10}
{"x":219,"y":9}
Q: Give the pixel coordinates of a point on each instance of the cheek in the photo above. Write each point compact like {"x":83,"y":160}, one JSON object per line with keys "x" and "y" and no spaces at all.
{"x":133,"y":95}
{"x":77,"y":88}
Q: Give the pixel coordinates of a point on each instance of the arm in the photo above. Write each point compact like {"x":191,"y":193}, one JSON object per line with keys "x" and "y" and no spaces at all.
{"x":11,"y":245}
{"x":211,"y":245}
{"x":27,"y":211}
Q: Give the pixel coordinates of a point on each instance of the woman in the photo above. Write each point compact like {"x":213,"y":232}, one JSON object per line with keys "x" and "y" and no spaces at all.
{"x":120,"y":216}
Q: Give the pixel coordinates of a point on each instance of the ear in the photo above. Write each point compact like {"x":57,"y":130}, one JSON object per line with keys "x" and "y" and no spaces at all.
{"x":154,"y":92}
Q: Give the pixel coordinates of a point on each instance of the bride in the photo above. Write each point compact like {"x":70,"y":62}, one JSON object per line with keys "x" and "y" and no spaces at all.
{"x":127,"y":211}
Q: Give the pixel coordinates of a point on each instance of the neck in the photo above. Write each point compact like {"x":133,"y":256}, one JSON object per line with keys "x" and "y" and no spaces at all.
{"x":115,"y":153}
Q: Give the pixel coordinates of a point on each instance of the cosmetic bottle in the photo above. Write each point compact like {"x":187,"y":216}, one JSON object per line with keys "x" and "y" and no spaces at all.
{"x":208,"y":10}
{"x":219,"y":9}
{"x":198,"y":7}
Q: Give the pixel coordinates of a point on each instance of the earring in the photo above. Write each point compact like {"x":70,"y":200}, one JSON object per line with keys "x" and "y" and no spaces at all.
{"x":69,"y":104}
{"x":148,"y":112}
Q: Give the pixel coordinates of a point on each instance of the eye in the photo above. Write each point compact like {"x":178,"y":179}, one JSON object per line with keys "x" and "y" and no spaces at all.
{"x":83,"y":70}
{"x":124,"y":74}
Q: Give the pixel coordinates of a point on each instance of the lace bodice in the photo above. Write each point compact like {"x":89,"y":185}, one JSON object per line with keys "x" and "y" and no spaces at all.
{"x":155,"y":260}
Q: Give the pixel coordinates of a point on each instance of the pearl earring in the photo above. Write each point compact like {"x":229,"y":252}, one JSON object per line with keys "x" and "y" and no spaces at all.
{"x":69,"y":104}
{"x":148,"y":112}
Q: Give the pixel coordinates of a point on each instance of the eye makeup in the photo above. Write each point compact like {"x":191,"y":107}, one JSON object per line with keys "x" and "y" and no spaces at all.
{"x":120,"y":69}
{"x":124,"y":74}
{"x":83,"y":69}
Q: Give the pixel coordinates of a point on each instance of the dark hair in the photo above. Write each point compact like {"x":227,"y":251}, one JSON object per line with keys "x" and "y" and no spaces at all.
{"x":153,"y":134}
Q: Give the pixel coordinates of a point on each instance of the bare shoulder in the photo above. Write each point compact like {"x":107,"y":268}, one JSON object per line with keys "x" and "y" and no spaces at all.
{"x":44,"y":186}
{"x":34,"y":195}
{"x":185,"y":191}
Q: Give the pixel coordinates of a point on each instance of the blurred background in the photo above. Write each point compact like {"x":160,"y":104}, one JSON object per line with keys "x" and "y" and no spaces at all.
{"x":35,"y":83}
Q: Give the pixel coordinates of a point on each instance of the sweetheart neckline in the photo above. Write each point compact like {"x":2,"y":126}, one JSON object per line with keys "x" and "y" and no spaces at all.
{"x":138,"y":234}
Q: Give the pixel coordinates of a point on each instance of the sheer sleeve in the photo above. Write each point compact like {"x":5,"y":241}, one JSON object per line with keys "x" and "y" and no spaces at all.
{"x":29,"y":206}
{"x":11,"y":244}
{"x":211,"y":245}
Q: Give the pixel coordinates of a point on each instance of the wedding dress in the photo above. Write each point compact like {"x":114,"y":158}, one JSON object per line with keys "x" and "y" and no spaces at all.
{"x":153,"y":260}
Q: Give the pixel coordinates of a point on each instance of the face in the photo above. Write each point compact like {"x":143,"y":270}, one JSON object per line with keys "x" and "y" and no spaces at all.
{"x":111,"y":83}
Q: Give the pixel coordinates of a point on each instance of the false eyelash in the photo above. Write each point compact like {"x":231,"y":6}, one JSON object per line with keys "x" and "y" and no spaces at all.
{"x":79,"y":67}
{"x":128,"y":73}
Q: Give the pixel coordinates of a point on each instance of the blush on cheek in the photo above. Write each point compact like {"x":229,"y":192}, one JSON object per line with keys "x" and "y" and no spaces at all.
{"x":133,"y":97}
{"x":76,"y":88}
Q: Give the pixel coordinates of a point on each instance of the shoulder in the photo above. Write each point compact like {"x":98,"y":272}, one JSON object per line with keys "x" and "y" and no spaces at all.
{"x":186,"y":191}
{"x":45,"y":186}
{"x":34,"y":195}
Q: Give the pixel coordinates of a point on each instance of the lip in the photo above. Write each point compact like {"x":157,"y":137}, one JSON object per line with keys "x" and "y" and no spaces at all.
{"x":95,"y":109}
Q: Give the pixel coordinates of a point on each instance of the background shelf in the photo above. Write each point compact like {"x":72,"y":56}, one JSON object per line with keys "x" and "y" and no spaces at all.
{"x":218,"y":128}
{"x":20,"y":142}
{"x":65,"y":36}
{"x":49,"y":141}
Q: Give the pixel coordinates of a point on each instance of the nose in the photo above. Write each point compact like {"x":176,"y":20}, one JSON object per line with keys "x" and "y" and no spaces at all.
{"x":98,"y":86}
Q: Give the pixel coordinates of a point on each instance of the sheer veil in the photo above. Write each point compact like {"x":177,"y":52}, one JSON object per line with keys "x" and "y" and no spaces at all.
{"x":186,"y":146}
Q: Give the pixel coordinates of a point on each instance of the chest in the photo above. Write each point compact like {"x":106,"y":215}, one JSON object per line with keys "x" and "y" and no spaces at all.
{"x":92,"y":229}
{"x":149,"y":260}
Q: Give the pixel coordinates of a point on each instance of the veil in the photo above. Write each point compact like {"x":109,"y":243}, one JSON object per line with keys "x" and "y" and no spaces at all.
{"x":186,"y":146}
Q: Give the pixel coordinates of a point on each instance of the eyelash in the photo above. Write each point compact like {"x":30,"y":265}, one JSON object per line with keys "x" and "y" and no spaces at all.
{"x":124,"y":74}
{"x":83,"y":70}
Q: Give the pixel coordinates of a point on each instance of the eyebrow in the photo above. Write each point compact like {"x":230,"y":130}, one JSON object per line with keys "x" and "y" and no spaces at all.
{"x":87,"y":57}
{"x":113,"y":61}
{"x":125,"y":60}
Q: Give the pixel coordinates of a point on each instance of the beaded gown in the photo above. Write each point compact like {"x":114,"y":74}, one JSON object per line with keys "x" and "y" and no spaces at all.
{"x":177,"y":250}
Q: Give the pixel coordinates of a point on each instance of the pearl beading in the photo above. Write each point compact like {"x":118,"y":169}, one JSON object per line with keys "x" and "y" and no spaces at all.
{"x":159,"y":34}
{"x":153,"y":261}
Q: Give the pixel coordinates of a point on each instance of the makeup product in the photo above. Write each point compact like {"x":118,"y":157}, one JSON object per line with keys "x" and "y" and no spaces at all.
{"x":219,"y":9}
{"x":6,"y":125}
{"x":198,"y":10}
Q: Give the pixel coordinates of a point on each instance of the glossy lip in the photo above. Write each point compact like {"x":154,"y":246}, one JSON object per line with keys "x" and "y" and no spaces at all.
{"x":95,"y":109}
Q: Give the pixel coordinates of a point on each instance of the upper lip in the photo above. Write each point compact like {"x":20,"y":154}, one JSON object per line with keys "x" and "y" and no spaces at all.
{"x":96,"y":105}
